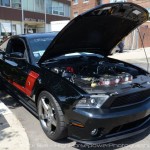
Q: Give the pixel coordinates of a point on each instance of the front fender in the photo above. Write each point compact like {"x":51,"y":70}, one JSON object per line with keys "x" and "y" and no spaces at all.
{"x":65,"y":92}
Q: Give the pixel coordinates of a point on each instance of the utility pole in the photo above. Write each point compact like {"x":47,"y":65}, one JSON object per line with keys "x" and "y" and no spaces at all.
{"x":45,"y":15}
{"x":22,"y":18}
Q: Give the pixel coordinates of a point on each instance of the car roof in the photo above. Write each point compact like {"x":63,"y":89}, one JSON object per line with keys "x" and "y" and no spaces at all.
{"x":34,"y":35}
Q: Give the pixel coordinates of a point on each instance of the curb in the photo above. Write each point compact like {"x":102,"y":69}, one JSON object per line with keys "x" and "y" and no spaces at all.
{"x":12,"y":133}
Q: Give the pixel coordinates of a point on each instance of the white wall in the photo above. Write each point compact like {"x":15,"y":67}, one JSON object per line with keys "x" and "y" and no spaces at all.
{"x":18,"y":27}
{"x":40,"y":28}
{"x":58,"y":25}
{"x":7,"y":26}
{"x":48,"y":27}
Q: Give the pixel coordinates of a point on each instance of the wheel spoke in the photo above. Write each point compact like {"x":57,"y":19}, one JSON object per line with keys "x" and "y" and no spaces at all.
{"x":49,"y":126}
{"x":50,"y":111}
{"x":53,"y":122}
{"x":43,"y":116}
{"x":44,"y":105}
{"x":47,"y":114}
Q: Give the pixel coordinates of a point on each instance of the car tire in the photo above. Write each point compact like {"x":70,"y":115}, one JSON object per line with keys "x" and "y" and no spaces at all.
{"x":51,"y":116}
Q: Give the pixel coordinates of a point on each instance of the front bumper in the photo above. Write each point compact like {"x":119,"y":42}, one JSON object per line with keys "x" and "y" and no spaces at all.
{"x":112,"y":125}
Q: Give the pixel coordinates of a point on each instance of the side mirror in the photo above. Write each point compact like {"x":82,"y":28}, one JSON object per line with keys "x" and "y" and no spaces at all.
{"x":16,"y":55}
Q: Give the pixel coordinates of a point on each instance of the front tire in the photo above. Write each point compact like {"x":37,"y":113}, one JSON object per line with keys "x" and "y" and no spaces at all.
{"x":51,"y":116}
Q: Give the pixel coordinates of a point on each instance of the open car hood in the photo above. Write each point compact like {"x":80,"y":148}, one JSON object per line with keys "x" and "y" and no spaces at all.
{"x":98,"y":30}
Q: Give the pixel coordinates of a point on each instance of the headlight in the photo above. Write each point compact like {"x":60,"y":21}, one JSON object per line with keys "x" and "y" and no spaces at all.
{"x":95,"y":101}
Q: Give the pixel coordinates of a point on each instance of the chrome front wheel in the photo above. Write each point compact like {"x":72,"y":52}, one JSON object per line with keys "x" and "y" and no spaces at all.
{"x":51,"y":116}
{"x":47,"y":115}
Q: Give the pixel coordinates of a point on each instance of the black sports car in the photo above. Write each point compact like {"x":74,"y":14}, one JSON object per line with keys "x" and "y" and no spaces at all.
{"x":67,"y":79}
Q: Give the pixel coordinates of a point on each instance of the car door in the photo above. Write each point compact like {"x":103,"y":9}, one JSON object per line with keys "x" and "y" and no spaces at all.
{"x":16,"y":69}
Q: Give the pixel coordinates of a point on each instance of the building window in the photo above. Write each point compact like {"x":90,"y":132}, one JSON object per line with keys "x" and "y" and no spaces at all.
{"x":75,"y":2}
{"x":39,"y":6}
{"x":61,"y":9}
{"x":34,"y":5}
{"x":57,"y":8}
{"x":6,"y":28}
{"x":25,"y":5}
{"x":85,"y":1}
{"x":75,"y":14}
{"x":31,"y":5}
{"x":5,"y":3}
{"x":16,"y":4}
{"x":49,"y":6}
{"x":67,"y":10}
{"x":14,"y":29}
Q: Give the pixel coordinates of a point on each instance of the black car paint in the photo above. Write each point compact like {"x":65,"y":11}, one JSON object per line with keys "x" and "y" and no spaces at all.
{"x":67,"y":94}
{"x":67,"y":102}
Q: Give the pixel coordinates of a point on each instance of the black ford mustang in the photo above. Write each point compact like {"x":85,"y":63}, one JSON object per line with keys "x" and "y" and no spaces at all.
{"x":67,"y":79}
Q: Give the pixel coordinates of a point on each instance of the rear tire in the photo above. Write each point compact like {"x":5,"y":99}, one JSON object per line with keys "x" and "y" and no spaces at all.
{"x":51,"y":116}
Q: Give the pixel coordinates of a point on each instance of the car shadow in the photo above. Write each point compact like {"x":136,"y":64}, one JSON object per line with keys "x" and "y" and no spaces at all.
{"x":64,"y":141}
{"x":8,"y":100}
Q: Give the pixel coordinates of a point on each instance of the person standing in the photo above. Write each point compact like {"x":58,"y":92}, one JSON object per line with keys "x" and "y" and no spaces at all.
{"x":121,"y":46}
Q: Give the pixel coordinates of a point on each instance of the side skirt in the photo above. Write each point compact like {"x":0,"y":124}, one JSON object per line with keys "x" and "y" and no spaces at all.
{"x":26,"y":101}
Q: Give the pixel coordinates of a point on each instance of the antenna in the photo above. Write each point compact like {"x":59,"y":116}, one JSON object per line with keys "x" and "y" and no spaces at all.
{"x":142,"y":39}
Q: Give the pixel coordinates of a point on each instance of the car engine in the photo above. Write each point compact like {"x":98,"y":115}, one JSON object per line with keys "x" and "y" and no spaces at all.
{"x":95,"y":74}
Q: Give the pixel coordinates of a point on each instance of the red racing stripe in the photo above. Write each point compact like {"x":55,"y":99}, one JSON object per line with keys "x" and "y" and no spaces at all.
{"x":30,"y":82}
{"x":32,"y":77}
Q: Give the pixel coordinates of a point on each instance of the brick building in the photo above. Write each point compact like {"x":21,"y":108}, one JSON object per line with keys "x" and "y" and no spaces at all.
{"x":28,"y":16}
{"x":133,"y":41}
{"x":145,"y":28}
{"x":80,"y":6}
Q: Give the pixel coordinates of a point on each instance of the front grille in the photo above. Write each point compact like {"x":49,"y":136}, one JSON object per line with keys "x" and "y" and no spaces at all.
{"x":128,"y":126}
{"x":131,"y":99}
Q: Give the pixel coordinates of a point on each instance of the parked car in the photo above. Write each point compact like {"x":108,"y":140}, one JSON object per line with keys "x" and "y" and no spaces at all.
{"x":67,"y":80}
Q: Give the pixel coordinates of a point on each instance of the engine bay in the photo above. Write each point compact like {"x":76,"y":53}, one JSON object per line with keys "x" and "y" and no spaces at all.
{"x":94,"y":73}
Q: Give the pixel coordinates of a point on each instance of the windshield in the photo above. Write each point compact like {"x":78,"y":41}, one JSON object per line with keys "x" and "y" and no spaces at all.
{"x":38,"y":46}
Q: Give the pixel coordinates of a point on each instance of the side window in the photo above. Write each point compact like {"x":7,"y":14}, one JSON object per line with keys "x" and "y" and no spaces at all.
{"x":17,"y":45}
{"x":4,"y":45}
